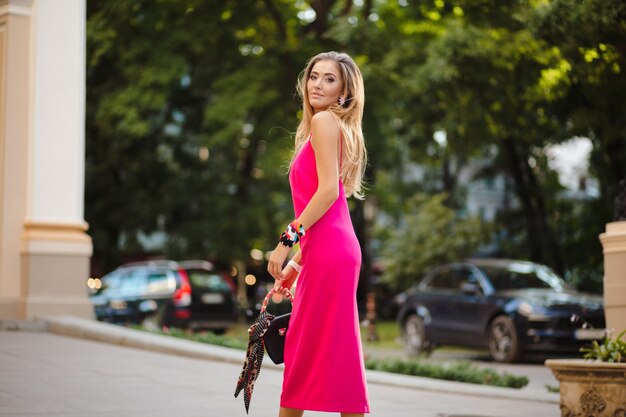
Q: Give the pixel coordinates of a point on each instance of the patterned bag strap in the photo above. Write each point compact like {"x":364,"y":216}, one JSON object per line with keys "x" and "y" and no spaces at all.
{"x":283,"y":291}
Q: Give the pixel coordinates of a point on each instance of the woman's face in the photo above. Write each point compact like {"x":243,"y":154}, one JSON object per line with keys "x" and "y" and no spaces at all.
{"x":324,"y":85}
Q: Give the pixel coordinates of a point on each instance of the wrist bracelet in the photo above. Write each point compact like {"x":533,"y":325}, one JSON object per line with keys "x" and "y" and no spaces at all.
{"x":292,"y":234}
{"x":295,"y":265}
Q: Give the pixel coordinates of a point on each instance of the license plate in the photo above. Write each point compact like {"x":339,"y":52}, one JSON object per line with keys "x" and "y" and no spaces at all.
{"x":118,"y":305}
{"x":589,"y":334}
{"x":212,"y":298}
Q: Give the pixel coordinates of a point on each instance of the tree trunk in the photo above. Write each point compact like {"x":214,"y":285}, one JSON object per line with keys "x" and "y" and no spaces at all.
{"x":542,"y":245}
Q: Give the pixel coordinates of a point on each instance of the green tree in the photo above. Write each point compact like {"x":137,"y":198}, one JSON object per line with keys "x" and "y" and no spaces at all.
{"x":190,"y":110}
{"x":430,"y":235}
{"x":182,"y":103}
{"x":191,"y":103}
{"x":585,"y":91}
{"x":477,"y":71}
{"x":587,"y":86}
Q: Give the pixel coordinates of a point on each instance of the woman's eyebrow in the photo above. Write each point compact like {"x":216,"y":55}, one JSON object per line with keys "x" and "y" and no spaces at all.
{"x":328,"y":73}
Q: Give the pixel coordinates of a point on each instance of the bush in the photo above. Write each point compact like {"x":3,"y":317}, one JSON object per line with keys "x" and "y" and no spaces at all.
{"x":431,"y":235}
{"x":459,"y":371}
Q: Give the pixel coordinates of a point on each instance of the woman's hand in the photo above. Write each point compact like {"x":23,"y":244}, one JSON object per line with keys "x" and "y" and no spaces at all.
{"x":289,"y":277}
{"x":277,"y":260}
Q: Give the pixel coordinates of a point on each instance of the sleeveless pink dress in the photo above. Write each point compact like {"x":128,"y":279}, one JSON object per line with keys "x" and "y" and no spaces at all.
{"x":324,"y":369}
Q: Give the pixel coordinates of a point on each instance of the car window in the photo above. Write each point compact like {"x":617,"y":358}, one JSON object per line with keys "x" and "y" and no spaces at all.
{"x":133,"y":284}
{"x":520,"y":276}
{"x":444,"y":280}
{"x":207,"y":280}
{"x":112,"y":281}
{"x":159,"y":282}
{"x":466,"y":276}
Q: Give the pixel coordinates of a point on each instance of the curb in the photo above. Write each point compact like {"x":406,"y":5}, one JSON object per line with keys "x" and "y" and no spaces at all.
{"x":23,"y":326}
{"x":112,"y":334}
{"x":117,"y":335}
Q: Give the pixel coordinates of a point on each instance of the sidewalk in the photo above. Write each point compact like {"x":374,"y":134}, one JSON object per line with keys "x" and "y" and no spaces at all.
{"x":115,"y":371}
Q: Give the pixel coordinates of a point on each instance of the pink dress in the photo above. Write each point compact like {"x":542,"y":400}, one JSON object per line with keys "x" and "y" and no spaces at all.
{"x":324,"y":369}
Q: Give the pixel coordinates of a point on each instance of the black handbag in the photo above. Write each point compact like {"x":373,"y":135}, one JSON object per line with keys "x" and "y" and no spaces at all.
{"x":265,"y":324}
{"x":274,"y":337}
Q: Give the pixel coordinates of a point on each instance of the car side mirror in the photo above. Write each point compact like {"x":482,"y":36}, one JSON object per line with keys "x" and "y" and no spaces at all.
{"x":471,"y":288}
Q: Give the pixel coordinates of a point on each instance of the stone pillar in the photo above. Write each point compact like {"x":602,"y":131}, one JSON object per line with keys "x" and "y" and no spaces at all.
{"x":44,"y":250}
{"x":614,"y":248}
{"x":14,"y":78}
{"x":614,"y":245}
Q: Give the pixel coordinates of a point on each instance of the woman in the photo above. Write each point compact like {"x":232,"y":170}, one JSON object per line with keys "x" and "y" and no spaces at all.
{"x":324,"y":368}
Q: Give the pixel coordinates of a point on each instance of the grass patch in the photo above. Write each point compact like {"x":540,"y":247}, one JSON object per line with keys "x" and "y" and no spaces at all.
{"x":552,"y":388}
{"x":209,"y":338}
{"x":203,"y":337}
{"x":462,"y":371}
{"x":388,"y":335}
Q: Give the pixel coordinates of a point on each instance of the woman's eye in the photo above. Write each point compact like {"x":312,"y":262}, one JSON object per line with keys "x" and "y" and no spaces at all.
{"x":330,"y":80}
{"x":312,"y":77}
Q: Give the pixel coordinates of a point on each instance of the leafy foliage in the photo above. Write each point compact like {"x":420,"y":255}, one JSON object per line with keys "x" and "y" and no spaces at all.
{"x":191,"y":105}
{"x":611,"y":350}
{"x":431,"y":235}
{"x":180,"y":118}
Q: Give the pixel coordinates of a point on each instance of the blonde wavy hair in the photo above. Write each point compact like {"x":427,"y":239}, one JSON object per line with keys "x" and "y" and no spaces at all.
{"x":349,"y":117}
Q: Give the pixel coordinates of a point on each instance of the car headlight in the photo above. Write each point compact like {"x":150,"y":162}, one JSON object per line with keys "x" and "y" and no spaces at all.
{"x":533,"y":313}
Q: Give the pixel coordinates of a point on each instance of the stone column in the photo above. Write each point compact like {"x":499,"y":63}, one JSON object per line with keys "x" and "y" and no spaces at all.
{"x":614,"y":248}
{"x":44,"y":249}
{"x":614,"y":245}
{"x":14,"y":59}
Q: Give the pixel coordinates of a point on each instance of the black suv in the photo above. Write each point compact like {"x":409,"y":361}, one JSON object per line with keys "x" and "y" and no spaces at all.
{"x":187,"y":294}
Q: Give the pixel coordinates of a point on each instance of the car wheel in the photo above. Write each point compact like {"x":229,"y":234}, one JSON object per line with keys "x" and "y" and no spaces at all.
{"x":414,"y":336}
{"x":502,"y":340}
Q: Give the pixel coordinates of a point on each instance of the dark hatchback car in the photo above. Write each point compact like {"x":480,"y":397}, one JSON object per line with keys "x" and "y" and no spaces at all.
{"x":188,"y":294}
{"x":510,"y":307}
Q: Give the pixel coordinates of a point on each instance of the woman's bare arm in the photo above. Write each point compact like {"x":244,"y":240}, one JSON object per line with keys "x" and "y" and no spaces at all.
{"x":326,"y":134}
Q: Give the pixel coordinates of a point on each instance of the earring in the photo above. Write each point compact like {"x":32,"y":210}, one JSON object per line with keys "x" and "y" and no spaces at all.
{"x":342,"y":101}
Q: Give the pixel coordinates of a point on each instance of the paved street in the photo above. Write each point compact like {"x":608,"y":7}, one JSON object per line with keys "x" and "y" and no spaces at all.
{"x":43,"y":374}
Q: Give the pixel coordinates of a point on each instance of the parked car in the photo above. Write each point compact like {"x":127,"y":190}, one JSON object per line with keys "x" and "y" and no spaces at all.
{"x":188,"y":294}
{"x":510,"y":307}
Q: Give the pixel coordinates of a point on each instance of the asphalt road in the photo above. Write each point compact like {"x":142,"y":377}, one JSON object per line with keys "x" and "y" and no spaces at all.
{"x":43,"y":374}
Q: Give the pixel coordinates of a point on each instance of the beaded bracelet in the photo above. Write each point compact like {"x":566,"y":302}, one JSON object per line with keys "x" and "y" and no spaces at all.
{"x":292,"y":234}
